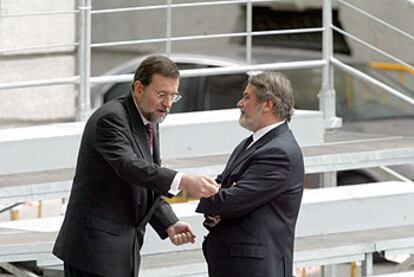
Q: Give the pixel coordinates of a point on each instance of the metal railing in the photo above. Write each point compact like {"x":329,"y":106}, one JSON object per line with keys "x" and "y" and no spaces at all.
{"x":361,"y":75}
{"x":327,"y":97}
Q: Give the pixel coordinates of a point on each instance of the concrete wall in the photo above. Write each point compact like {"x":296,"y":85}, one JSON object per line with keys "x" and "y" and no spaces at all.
{"x":38,"y":104}
{"x":24,"y":149}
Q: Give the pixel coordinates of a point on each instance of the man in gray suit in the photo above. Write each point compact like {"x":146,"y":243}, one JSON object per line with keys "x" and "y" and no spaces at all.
{"x":253,"y":216}
{"x":119,"y":182}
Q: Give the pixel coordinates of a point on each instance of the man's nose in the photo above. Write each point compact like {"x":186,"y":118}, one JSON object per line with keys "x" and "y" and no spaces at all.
{"x":168,"y":102}
{"x":239,"y":103}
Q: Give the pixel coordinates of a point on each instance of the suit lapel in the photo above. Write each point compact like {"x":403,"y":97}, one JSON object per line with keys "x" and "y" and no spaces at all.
{"x":138,"y":128}
{"x":235,"y":160}
{"x":236,"y":153}
{"x":233,"y":157}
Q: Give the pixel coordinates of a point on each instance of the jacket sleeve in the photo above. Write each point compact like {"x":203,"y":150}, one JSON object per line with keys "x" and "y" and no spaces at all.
{"x":264,"y":179}
{"x":114,"y":144}
{"x":162,"y":218}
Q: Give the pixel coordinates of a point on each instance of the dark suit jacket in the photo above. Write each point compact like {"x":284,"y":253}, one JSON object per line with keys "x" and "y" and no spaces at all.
{"x":258,"y":203}
{"x":116,"y":190}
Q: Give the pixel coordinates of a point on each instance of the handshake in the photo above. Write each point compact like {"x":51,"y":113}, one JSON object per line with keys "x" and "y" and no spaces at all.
{"x":199,"y":186}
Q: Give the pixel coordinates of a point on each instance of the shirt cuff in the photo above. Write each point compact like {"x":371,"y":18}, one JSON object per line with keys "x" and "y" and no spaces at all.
{"x":174,"y":189}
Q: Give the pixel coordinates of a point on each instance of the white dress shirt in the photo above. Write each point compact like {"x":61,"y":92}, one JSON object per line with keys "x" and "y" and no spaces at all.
{"x":261,"y":132}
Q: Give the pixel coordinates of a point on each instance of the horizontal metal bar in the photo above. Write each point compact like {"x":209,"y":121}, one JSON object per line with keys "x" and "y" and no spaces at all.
{"x":371,"y":80}
{"x":182,"y":5}
{"x":128,"y":42}
{"x":38,"y":83}
{"x":372,"y":47}
{"x":376,"y":19}
{"x":210,"y":36}
{"x":219,"y":70}
{"x":38,"y":13}
{"x":247,"y":68}
{"x":288,"y":31}
{"x":39,"y":47}
{"x":112,"y":78}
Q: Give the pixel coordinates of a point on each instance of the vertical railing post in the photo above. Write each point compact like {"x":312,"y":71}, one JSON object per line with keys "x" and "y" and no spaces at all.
{"x":168,"y":28}
{"x":327,"y":99}
{"x":84,"y":60}
{"x":249,"y":19}
{"x":327,"y":95}
{"x":327,"y":103}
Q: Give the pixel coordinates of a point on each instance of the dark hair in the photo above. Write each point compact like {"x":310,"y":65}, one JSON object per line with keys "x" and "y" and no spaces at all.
{"x":155,"y":65}
{"x":275,"y":86}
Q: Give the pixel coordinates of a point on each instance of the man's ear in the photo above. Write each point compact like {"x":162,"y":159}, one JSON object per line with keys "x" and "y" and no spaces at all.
{"x":138,"y":87}
{"x":268,"y":105}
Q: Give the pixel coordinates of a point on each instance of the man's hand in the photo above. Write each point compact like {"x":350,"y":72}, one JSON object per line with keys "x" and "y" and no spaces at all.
{"x":199,"y":186}
{"x":181,"y":233}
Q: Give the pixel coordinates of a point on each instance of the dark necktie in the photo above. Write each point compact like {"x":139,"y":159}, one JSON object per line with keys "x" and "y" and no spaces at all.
{"x":150,"y":134}
{"x":247,"y":143}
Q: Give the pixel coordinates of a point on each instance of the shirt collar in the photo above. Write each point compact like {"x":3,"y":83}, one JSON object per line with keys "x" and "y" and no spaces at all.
{"x":261,"y":132}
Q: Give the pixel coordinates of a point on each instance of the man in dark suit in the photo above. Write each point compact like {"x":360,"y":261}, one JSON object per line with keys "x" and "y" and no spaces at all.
{"x":118,"y":182}
{"x":253,"y":216}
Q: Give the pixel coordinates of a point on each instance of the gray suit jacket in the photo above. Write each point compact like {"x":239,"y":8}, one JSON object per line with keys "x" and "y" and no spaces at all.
{"x":116,"y":191}
{"x":258,"y":203}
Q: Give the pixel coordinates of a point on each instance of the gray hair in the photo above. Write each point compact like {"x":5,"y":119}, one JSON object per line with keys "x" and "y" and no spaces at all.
{"x":275,"y":86}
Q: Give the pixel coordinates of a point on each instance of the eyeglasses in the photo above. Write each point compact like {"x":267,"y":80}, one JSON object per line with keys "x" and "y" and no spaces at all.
{"x":174,"y":97}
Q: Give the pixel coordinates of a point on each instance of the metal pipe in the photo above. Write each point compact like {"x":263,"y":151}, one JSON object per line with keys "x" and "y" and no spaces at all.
{"x":249,"y":29}
{"x":39,"y":47}
{"x":168,"y":29}
{"x":39,"y":83}
{"x":372,"y":47}
{"x":377,"y":19}
{"x":247,"y":68}
{"x":224,"y":35}
{"x":182,"y":5}
{"x":84,"y":60}
{"x":327,"y":101}
{"x":37,"y":13}
{"x":371,"y":80}
{"x":219,"y":70}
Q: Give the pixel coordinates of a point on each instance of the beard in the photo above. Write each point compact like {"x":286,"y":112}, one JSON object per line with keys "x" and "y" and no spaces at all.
{"x":252,"y":123}
{"x":156,"y":117}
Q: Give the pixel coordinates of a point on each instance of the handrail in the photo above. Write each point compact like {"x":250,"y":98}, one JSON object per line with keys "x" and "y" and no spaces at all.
{"x":372,"y":47}
{"x":376,"y":19}
{"x":183,"y":73}
{"x":196,"y":37}
{"x":37,"y":83}
{"x":4,"y":15}
{"x":361,"y":75}
{"x":39,"y":47}
{"x":181,"y":5}
{"x":218,"y":70}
